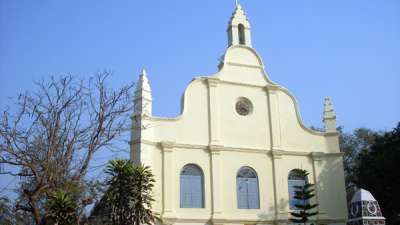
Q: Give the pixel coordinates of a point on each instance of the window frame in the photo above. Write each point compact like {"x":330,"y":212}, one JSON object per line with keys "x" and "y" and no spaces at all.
{"x":294,"y":180}
{"x":185,"y":179}
{"x":254,"y":184}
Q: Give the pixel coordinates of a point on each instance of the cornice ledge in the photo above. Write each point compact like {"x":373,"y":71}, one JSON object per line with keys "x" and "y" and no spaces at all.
{"x":136,"y":118}
{"x":331,"y":134}
{"x":317,"y":156}
{"x":293,"y":153}
{"x":167,"y":146}
{"x":134,"y":142}
{"x":244,"y":65}
{"x":241,"y":84}
{"x":215,"y":149}
{"x":219,"y":147}
{"x":213,"y":81}
{"x":169,"y":218}
{"x":335,"y":154}
{"x":271,"y":87}
{"x":277,"y":154}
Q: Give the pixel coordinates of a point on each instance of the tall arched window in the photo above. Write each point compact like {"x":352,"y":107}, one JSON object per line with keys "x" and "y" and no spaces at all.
{"x":191,"y":187}
{"x":247,"y":189}
{"x":242,"y":39}
{"x":295,"y":179}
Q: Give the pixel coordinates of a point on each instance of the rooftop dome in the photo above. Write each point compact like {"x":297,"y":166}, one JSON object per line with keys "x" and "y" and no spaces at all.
{"x":362,"y":195}
{"x":364,"y":209}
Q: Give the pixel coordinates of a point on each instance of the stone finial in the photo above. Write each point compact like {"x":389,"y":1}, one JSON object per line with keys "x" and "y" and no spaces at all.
{"x":329,"y":118}
{"x":143,"y":97}
{"x":239,"y":28}
{"x":143,"y":82}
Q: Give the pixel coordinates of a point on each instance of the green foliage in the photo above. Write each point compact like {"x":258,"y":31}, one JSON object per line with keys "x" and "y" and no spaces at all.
{"x":352,"y":144}
{"x":6,"y":213}
{"x":61,"y":209}
{"x":129,"y":194}
{"x":305,"y":193}
{"x":378,"y":169}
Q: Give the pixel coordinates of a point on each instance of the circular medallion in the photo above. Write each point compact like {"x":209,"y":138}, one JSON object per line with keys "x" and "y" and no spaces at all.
{"x":372,"y":208}
{"x":244,"y":106}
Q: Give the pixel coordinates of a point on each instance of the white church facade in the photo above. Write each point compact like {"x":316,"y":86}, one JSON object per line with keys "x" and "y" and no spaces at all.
{"x":230,"y":157}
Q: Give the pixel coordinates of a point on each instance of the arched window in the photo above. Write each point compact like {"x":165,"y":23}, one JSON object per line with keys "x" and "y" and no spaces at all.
{"x":295,"y":179}
{"x":247,"y":189}
{"x":242,"y":39}
{"x":191,"y":184}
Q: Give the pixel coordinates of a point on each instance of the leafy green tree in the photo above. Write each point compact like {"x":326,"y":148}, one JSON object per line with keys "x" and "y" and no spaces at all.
{"x":378,"y":169}
{"x":62,"y":209}
{"x":129,"y":194}
{"x":304,"y":193}
{"x":352,"y":144}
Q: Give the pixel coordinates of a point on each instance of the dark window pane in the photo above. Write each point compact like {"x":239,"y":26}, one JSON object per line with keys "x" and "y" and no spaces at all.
{"x":191,"y":187}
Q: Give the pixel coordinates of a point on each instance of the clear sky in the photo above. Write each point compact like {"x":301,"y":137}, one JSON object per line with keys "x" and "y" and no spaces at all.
{"x":346,"y":49}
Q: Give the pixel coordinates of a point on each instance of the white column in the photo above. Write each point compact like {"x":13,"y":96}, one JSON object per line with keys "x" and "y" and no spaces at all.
{"x":280,"y":186}
{"x":248,"y":36}
{"x":169,"y":181}
{"x":216,"y":182}
{"x":213,"y":111}
{"x":318,"y":164}
{"x":280,"y":182}
{"x":214,"y":147}
{"x":273,"y":114}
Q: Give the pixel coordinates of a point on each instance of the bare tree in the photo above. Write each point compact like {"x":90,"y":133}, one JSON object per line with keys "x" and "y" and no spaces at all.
{"x":49,"y":138}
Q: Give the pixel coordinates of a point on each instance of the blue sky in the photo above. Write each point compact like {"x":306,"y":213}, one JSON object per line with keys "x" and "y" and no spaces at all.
{"x":346,"y":49}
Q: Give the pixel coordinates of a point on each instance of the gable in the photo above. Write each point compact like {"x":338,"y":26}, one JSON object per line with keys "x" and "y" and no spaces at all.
{"x":209,"y":111}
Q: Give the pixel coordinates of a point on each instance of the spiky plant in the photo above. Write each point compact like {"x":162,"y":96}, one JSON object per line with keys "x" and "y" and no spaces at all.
{"x":304,"y":193}
{"x":129,"y":194}
{"x":61,"y":209}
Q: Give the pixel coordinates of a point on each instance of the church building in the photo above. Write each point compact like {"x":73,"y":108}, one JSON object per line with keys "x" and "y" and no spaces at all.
{"x":231,"y":156}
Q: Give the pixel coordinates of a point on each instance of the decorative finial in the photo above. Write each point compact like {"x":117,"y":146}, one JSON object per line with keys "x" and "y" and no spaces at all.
{"x":143,"y":72}
{"x":143,"y":97}
{"x":329,"y":118}
{"x":239,"y":31}
{"x":143,"y":82}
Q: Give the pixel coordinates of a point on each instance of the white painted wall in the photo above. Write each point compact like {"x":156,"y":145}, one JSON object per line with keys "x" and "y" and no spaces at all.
{"x":211,"y":134}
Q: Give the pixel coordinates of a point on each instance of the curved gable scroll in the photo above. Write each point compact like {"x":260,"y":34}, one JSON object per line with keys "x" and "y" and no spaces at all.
{"x":242,"y":55}
{"x":242,"y":64}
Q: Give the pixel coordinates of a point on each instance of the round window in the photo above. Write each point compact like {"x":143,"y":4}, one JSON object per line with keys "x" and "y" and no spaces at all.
{"x":244,"y":106}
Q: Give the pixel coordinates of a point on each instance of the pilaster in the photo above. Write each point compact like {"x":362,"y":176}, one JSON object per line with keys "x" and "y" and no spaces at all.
{"x":216,"y":181}
{"x":213,"y":110}
{"x":318,"y":159}
{"x":169,"y":180}
{"x":273,"y":114}
{"x":280,"y":198}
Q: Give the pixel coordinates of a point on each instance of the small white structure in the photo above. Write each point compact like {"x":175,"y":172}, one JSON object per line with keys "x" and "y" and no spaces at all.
{"x":232,"y":156}
{"x":365,"y":210}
